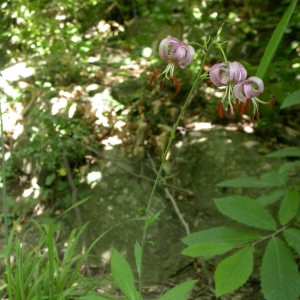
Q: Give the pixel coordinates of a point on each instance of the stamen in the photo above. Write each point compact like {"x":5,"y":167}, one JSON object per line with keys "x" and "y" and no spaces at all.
{"x":247,"y":105}
{"x":173,"y":79}
{"x":257,"y":115}
{"x":237,"y":105}
{"x":271,"y":102}
{"x":154,"y":76}
{"x":177,"y":84}
{"x":228,"y":111}
{"x":161,"y":85}
{"x":241,"y":109}
{"x":220,"y":110}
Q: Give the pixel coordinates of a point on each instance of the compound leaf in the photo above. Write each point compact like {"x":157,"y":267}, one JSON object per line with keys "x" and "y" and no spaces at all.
{"x":292,"y":236}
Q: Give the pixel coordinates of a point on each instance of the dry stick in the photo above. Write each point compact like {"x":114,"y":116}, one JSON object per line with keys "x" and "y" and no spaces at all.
{"x":77,"y":213}
{"x":186,"y":227}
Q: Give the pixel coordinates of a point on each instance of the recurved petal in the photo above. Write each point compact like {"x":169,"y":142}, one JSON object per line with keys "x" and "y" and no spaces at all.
{"x":189,"y":53}
{"x":237,"y":72}
{"x":166,"y":47}
{"x":256,"y":86}
{"x":238,"y":92}
{"x":219,"y":74}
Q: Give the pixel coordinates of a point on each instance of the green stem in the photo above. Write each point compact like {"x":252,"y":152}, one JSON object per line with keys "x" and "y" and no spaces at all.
{"x":158,"y":176}
{"x":4,"y":180}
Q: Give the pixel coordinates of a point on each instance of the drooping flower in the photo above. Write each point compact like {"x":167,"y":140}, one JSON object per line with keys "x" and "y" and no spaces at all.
{"x":227,"y":75}
{"x":177,"y":54}
{"x":249,"y":90}
{"x":223,"y":74}
{"x":232,"y":75}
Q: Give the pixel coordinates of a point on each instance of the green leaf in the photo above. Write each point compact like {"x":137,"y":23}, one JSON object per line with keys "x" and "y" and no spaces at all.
{"x":246,"y":211}
{"x":153,"y":218}
{"x":179,"y":292}
{"x":272,"y":197}
{"x":288,"y":166}
{"x":279,"y":273}
{"x":234,"y":271}
{"x":292,"y":236}
{"x":221,"y":234}
{"x":275,"y":177}
{"x":291,"y":151}
{"x":289,"y":207}
{"x":138,"y":256}
{"x":93,"y":297}
{"x":50,"y":178}
{"x":275,"y":40}
{"x":291,"y":100}
{"x":207,"y":250}
{"x":246,"y":182}
{"x":123,"y":275}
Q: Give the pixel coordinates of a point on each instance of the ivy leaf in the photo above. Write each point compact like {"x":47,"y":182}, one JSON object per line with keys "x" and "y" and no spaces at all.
{"x":292,"y":236}
{"x":288,"y":207}
{"x":246,"y":182}
{"x":246,"y":211}
{"x":221,"y":234}
{"x":123,"y":275}
{"x":207,"y":250}
{"x":234,"y":271}
{"x":179,"y":292}
{"x":279,"y":273}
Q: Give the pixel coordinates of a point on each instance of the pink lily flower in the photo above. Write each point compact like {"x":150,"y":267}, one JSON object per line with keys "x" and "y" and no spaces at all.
{"x":177,"y":54}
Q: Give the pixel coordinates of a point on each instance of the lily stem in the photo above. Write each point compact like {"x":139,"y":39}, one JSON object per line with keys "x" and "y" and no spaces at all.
{"x":164,"y":157}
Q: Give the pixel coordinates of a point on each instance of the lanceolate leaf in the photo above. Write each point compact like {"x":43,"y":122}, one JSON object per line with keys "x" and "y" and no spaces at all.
{"x":292,"y":236}
{"x":291,"y":100}
{"x":289,"y":207}
{"x":246,"y":182}
{"x":138,"y":256}
{"x":246,"y":211}
{"x":123,"y":275}
{"x":291,"y":151}
{"x":279,"y":273}
{"x":221,"y":234}
{"x":275,"y":195}
{"x":275,"y":40}
{"x":179,"y":292}
{"x":207,"y":250}
{"x":234,"y":271}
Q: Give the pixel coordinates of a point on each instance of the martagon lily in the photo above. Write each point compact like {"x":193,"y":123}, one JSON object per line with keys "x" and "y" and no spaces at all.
{"x":232,"y":75}
{"x":177,"y":54}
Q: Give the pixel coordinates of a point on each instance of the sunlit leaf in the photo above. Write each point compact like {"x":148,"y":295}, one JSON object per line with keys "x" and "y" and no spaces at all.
{"x":288,"y":207}
{"x":234,"y":271}
{"x":279,"y":273}
{"x":275,"y":40}
{"x":221,"y":234}
{"x":292,"y":236}
{"x":207,"y":250}
{"x":246,"y":182}
{"x":179,"y":292}
{"x":246,"y":211}
{"x":123,"y":275}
